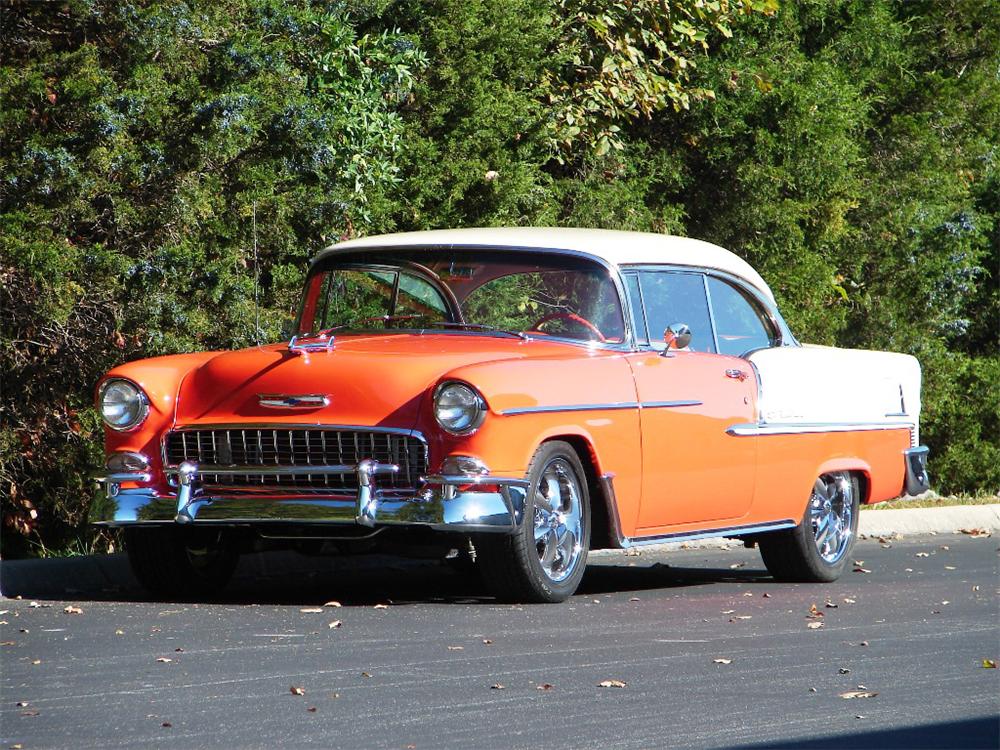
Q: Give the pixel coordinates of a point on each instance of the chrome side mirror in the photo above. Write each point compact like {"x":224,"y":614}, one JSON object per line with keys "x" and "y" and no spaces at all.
{"x":677,"y":336}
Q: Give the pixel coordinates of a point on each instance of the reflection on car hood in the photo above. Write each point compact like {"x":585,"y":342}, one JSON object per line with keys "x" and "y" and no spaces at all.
{"x":369,"y":380}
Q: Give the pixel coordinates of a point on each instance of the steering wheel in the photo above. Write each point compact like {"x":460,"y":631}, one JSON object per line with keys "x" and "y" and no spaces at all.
{"x":572,"y":317}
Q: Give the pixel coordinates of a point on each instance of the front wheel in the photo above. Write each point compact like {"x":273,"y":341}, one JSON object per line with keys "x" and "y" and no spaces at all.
{"x":170,"y":561}
{"x":543,"y":561}
{"x":818,"y":549}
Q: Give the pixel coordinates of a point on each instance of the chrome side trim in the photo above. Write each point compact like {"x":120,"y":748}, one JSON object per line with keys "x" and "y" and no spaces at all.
{"x":749,"y":429}
{"x":668,"y":404}
{"x":570,"y":407}
{"x":290,"y":401}
{"x":687,"y":536}
{"x":296,"y":426}
{"x":616,"y":405}
{"x":113,"y":482}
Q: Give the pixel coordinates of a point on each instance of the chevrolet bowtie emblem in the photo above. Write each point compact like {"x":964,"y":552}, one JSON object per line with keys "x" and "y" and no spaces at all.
{"x":290,"y":401}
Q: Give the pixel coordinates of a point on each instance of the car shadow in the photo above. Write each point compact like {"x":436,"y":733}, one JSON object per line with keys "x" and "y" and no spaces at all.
{"x":282,"y":578}
{"x":982,"y":732}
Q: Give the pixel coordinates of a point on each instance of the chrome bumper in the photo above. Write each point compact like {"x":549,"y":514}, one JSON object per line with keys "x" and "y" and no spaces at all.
{"x":444,"y":502}
{"x":918,"y":480}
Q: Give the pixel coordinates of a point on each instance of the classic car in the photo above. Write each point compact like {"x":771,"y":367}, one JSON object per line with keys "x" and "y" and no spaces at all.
{"x":516,"y":398}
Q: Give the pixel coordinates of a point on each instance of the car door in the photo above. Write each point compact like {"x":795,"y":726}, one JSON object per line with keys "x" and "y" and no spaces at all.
{"x":693,"y":471}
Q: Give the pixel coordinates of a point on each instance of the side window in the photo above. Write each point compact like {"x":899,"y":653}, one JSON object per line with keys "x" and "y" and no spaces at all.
{"x":740,"y":325}
{"x":677,"y":297}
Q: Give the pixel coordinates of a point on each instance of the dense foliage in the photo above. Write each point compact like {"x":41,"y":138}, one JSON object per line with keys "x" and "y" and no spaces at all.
{"x":165,"y":164}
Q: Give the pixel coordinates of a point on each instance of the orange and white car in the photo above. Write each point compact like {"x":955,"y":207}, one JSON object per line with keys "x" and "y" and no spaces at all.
{"x":521,"y":396}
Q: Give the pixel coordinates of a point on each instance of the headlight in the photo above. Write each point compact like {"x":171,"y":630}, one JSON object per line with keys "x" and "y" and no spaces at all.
{"x":458,"y":408}
{"x":123,"y":404}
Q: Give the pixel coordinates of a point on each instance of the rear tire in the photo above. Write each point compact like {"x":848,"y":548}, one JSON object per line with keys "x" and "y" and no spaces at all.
{"x":170,"y":561}
{"x":818,"y":549}
{"x":545,"y":559}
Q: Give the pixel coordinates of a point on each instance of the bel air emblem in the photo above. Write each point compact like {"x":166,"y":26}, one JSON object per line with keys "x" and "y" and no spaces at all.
{"x":290,"y":401}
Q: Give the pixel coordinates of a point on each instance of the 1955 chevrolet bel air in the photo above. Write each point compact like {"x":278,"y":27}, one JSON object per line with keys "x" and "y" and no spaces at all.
{"x":517,"y":397}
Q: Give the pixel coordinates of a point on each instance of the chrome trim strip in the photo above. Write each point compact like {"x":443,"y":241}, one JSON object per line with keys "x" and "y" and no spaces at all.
{"x":668,"y":404}
{"x":290,"y":401}
{"x":687,"y":536}
{"x":612,"y":406}
{"x":748,"y":429}
{"x":272,"y":471}
{"x":464,"y":479}
{"x":570,"y":407}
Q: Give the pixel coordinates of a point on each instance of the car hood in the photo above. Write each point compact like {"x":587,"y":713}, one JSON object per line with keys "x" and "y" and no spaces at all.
{"x":368,"y":380}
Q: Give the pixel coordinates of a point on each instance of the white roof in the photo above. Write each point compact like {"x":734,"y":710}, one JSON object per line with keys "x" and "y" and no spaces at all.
{"x":617,"y":248}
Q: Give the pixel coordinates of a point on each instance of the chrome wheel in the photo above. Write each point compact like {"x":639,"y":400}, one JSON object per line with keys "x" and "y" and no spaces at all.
{"x":831,"y":514}
{"x":558,"y":520}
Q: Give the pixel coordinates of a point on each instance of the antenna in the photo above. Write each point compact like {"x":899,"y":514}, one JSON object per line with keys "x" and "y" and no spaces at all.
{"x":256,"y":280}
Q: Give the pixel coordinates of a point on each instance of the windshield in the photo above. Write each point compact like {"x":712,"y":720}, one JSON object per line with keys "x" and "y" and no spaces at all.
{"x":537,"y":294}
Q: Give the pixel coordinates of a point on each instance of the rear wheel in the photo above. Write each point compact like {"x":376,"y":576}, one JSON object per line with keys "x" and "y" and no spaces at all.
{"x":171,"y":561}
{"x":544,"y":561}
{"x":817,"y":550}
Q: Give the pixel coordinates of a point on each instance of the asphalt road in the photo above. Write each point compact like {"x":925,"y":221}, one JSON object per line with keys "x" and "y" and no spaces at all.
{"x":426,"y":670}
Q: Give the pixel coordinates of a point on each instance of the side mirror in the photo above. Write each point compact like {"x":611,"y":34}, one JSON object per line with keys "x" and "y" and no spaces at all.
{"x":677,"y":336}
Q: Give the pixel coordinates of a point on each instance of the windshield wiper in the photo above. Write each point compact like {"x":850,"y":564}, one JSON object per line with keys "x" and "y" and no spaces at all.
{"x":481,"y":327}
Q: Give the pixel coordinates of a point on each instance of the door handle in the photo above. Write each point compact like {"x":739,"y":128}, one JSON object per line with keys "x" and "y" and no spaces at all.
{"x":736,"y":374}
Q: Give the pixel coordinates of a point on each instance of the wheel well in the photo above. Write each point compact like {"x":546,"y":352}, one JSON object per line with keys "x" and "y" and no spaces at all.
{"x":600,"y":528}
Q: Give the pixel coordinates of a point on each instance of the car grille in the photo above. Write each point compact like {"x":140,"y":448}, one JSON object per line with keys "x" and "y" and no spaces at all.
{"x":270,"y":447}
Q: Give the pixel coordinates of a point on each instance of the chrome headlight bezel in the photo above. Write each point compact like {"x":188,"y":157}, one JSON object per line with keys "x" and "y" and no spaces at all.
{"x":473,"y":409}
{"x":141,"y":409}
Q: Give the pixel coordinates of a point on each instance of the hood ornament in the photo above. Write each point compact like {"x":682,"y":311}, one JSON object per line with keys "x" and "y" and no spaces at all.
{"x":293,"y":401}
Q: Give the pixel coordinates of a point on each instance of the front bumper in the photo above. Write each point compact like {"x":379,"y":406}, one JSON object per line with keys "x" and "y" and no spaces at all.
{"x":461,"y":503}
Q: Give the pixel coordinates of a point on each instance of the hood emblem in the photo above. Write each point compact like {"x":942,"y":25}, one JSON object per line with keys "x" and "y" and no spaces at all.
{"x":293,"y":401}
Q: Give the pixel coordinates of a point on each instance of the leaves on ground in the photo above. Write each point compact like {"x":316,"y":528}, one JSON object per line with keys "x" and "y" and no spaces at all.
{"x":544,"y":686}
{"x":71,"y":610}
{"x":722,"y":661}
{"x":497,"y":686}
{"x":333,"y":603}
{"x":456,"y":648}
{"x":164,"y":659}
{"x":976,"y":533}
{"x":814,"y":625}
{"x":311,"y":610}
{"x":989,"y":664}
{"x":381,"y":606}
{"x":858,"y":694}
{"x":334,"y":624}
{"x":612,"y":684}
{"x":296,"y":690}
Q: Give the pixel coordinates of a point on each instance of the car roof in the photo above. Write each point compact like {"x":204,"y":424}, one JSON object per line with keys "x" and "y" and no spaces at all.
{"x":614,"y":247}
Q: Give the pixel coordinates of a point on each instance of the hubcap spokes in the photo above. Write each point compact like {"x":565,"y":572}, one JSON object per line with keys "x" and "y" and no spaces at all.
{"x":831,"y":510}
{"x":558,"y":521}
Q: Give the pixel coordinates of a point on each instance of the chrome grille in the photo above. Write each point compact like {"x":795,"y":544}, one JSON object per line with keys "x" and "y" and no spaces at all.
{"x":281,"y":446}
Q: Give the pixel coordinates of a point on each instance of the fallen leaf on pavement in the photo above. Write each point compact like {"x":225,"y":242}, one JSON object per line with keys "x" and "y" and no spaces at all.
{"x":740,"y":617}
{"x":612,"y":683}
{"x":333,"y":604}
{"x":830,"y":605}
{"x":295,"y":690}
{"x":863,"y":643}
{"x":859,"y":569}
{"x":977,"y":532}
{"x":989,"y":664}
{"x":166,"y":725}
{"x":544,"y":686}
{"x":814,"y":612}
{"x":487,"y":642}
{"x":456,"y":648}
{"x":728,"y":611}
{"x":119,"y":632}
{"x":29,"y":713}
{"x":814,"y":625}
{"x":634,"y":599}
{"x":71,"y":610}
{"x":366,"y":674}
{"x":497,"y":686}
{"x":734,"y":566}
{"x":923,"y":554}
{"x":766,"y":596}
{"x":381,"y":606}
{"x":950,"y":567}
{"x":858,"y":694}
{"x":311,"y":709}
{"x":311,"y":610}
{"x":844,"y":670}
{"x":334,"y":624}
{"x":164,"y":659}
{"x":36,"y":662}
{"x":722,"y":661}
{"x":848,"y":600}
{"x":22,"y":704}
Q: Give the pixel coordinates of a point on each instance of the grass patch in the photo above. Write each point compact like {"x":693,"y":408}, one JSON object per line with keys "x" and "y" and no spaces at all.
{"x":933,"y":500}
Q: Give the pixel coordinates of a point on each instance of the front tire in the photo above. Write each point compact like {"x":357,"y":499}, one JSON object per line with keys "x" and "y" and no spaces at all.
{"x":545,"y":559}
{"x":818,"y":549}
{"x":169,"y":561}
